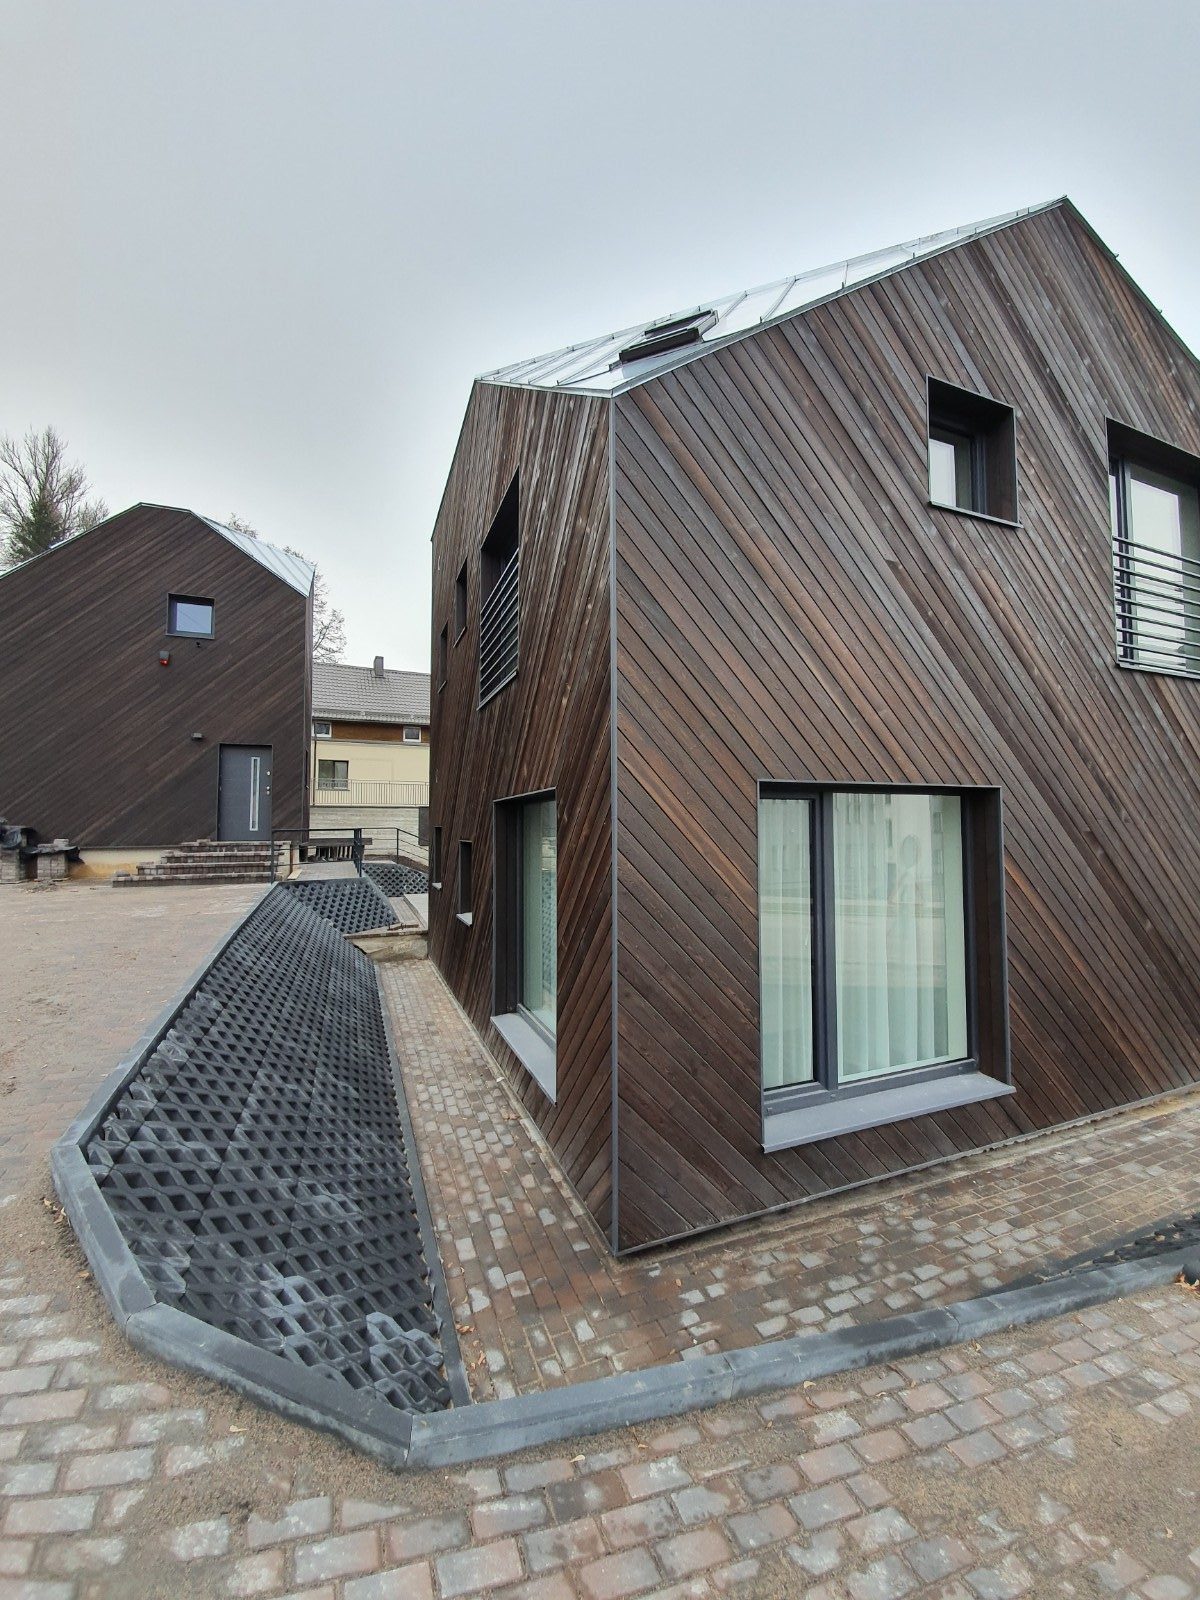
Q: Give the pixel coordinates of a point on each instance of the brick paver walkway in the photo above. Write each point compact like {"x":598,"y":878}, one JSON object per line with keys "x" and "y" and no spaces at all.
{"x":979,"y":1474}
{"x":540,"y":1301}
{"x":1058,"y":1461}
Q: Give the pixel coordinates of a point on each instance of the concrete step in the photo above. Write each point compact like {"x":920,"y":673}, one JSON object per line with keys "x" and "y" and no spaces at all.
{"x":126,"y":880}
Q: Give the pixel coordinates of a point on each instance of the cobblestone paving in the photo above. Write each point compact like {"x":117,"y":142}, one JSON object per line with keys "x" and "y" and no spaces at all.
{"x":979,"y":1474}
{"x":1060,"y":1461}
{"x":544,"y":1303}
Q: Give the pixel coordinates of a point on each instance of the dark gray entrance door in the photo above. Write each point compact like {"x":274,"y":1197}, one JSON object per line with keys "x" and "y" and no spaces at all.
{"x":244,"y":792}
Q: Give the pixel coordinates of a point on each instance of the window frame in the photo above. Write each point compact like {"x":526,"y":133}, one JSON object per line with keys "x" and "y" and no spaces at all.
{"x":443,"y":657}
{"x":322,"y":728}
{"x":461,"y":606}
{"x":990,"y":427}
{"x":495,"y":571}
{"x":464,"y":903}
{"x":334,"y":761}
{"x":535,"y":1045}
{"x":174,"y":600}
{"x":435,"y":858}
{"x":984,"y":1073}
{"x":410,"y":727}
{"x":1128,"y":447}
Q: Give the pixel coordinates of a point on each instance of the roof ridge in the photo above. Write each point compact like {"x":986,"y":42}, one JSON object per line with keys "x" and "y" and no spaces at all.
{"x":597,"y":366}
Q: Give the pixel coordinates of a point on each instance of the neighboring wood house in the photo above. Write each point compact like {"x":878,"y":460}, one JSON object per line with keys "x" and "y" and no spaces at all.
{"x":154,"y":687}
{"x":816,"y":722}
{"x":370,"y":753}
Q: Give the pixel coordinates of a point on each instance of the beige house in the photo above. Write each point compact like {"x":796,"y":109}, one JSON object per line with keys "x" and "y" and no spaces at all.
{"x":370,"y":753}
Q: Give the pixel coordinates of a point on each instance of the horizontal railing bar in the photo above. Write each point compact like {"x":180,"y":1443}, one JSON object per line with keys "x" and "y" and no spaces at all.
{"x":1154,"y":550}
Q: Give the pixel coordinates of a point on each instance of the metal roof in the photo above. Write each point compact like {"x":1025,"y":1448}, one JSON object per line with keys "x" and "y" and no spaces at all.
{"x":355,"y":694}
{"x":596,"y":366}
{"x":292,"y":569}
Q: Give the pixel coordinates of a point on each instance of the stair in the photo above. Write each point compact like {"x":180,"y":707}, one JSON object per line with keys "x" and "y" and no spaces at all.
{"x":210,"y":861}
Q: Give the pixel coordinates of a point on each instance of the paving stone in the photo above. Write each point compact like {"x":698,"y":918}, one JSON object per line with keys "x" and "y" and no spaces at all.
{"x":303,"y":1519}
{"x":477,"y":1570}
{"x":570,"y":1544}
{"x":613,"y":1577}
{"x":64,"y":1513}
{"x":345,"y":1555}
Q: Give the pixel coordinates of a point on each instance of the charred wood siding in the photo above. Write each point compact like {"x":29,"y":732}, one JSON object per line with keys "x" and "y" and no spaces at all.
{"x":789,"y":607}
{"x":548,"y":729}
{"x":95,"y":736}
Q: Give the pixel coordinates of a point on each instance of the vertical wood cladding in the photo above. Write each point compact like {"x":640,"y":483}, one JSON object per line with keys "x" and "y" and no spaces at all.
{"x":548,"y":729}
{"x":790,"y":607}
{"x":95,"y":736}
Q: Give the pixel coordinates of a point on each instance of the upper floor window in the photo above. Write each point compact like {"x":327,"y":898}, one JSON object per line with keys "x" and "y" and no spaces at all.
{"x":1154,"y":500}
{"x":972,"y":453}
{"x":412,"y":735}
{"x":460,"y":603}
{"x":443,"y":657}
{"x":499,"y":566}
{"x":322,"y":730}
{"x":190,"y":616}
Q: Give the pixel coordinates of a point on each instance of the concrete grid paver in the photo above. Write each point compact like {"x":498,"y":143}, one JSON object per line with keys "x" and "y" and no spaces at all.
{"x":124,"y":1480}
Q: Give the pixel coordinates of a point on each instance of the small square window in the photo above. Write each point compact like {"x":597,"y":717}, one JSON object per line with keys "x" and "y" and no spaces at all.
{"x":972,"y":453}
{"x":190,"y":616}
{"x":322,"y":730}
{"x":333,"y":774}
{"x":412,"y":735}
{"x":460,"y":603}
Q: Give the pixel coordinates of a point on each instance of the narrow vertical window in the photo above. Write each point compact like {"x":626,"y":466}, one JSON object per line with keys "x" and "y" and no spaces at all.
{"x":499,"y":597}
{"x":443,"y":658}
{"x":539,"y":912}
{"x":786,"y":947}
{"x":899,"y":932}
{"x":435,"y":859}
{"x":525,"y":976}
{"x":464,"y":879}
{"x":460,"y":603}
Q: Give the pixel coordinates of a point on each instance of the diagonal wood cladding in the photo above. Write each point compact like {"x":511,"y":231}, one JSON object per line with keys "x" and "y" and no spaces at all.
{"x":548,"y":729}
{"x":790,"y":607}
{"x":95,"y":736}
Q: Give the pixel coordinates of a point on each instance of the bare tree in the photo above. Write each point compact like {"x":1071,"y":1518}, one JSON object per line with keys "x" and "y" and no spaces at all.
{"x":329,"y":625}
{"x":43,"y":496}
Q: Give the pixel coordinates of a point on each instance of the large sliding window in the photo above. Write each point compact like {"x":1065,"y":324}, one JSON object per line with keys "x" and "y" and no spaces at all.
{"x":868,"y":959}
{"x":526,"y":938}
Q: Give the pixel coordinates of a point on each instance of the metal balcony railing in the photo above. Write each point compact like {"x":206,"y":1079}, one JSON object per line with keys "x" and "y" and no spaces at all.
{"x":498,"y":632}
{"x":1157,"y":595}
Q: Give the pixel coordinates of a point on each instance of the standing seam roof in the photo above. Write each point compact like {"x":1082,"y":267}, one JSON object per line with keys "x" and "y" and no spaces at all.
{"x":596,"y":367}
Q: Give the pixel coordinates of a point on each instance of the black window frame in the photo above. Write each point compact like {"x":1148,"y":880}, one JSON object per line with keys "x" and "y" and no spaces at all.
{"x":832,"y":1108}
{"x":989,"y":428}
{"x":174,"y":600}
{"x":443,"y":657}
{"x":1128,"y":447}
{"x":500,"y":597}
{"x":461,"y":612}
{"x":435,"y":858}
{"x":531,"y":1041}
{"x":464,"y":884}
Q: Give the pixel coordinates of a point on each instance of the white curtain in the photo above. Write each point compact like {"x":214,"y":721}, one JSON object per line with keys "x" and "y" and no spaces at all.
{"x":899,"y":933}
{"x":539,"y":910}
{"x":785,"y":941}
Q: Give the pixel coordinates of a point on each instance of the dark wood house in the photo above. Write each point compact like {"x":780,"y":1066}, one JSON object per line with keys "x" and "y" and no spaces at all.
{"x":816,"y":724}
{"x":155,"y":686}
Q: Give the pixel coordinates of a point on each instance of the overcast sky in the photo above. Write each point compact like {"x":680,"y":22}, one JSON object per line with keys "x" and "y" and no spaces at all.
{"x":253,"y":253}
